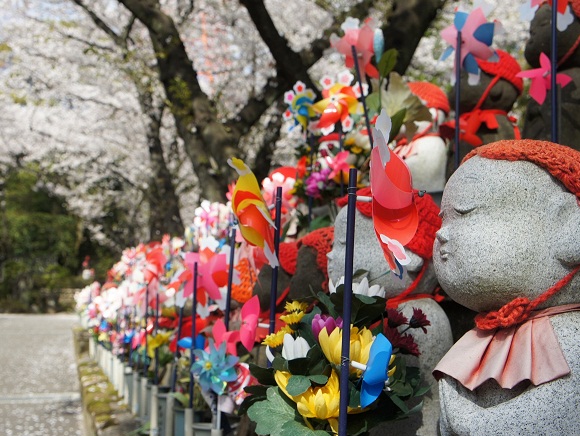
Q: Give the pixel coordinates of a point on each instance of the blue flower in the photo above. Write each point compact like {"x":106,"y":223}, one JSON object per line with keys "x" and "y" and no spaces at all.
{"x":214,"y":367}
{"x":376,"y":373}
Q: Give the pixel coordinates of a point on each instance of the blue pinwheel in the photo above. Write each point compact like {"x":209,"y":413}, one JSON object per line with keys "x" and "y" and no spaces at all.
{"x":376,"y":373}
{"x":215,"y":368}
{"x":300,"y":101}
{"x":476,"y":38}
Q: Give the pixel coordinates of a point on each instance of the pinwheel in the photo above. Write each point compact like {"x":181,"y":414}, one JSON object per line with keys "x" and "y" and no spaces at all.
{"x":376,"y":373}
{"x":541,"y":79}
{"x":299,"y":102}
{"x":395,"y":216}
{"x":250,"y":315}
{"x":214,"y":368}
{"x":284,"y":177}
{"x":222,"y":335}
{"x":476,"y":38}
{"x":339,"y":166}
{"x":340,"y":100}
{"x":362,"y":39}
{"x":256,"y":225}
{"x":565,"y":14}
{"x":212,"y":274}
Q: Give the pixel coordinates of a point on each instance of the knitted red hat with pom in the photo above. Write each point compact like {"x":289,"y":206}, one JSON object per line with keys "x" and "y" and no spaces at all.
{"x":431,"y":94}
{"x":505,"y":68}
{"x":560,"y":161}
{"x":429,"y":221}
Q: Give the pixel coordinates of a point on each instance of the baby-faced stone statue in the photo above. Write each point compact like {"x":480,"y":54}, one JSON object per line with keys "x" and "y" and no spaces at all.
{"x":417,"y":286}
{"x":509,"y":248}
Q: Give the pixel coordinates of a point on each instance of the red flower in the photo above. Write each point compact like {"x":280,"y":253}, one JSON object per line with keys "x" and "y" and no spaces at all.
{"x":396,"y":318}
{"x":419,"y":320}
{"x":404,"y":342}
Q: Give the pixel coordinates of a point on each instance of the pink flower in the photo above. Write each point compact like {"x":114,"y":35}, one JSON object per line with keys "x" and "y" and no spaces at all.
{"x":324,"y":321}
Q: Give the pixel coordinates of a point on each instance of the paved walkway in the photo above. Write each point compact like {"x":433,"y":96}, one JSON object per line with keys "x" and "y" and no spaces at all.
{"x":39,"y":390}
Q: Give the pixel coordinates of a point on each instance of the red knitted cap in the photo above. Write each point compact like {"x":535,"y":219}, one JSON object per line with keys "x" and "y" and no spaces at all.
{"x":429,"y":221}
{"x":287,"y":256}
{"x":560,"y":161}
{"x":506,"y":68}
{"x":321,"y":240}
{"x":431,"y":94}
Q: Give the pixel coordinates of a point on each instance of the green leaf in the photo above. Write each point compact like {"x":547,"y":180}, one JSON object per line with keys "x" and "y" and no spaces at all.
{"x":297,"y":385}
{"x":327,"y":302}
{"x":397,"y":121}
{"x":421,"y":391}
{"x":183,"y":399}
{"x":279,"y":364}
{"x":299,"y":366}
{"x":271,"y":414}
{"x":359,"y":274}
{"x":387,"y":62}
{"x":373,"y":101}
{"x":398,"y":402}
{"x":295,"y":428}
{"x":319,"y":379}
{"x":265,"y":376}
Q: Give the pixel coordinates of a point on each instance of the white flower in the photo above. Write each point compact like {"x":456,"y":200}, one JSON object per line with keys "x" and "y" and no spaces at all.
{"x":332,"y":287}
{"x":363,"y":288}
{"x":294,"y":348}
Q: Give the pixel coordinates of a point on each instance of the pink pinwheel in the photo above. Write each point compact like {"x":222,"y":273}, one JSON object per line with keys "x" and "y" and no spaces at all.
{"x":476,"y":39}
{"x":220,"y":334}
{"x":541,"y":79}
{"x":338,"y":165}
{"x":212,"y":274}
{"x":395,"y":216}
{"x":284,"y":177}
{"x":205,"y":214}
{"x":250,"y":315}
{"x":362,"y":39}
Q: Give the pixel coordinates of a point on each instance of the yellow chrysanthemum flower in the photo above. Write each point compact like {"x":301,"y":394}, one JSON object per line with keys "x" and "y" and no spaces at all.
{"x":360,"y":345}
{"x":292,"y":318}
{"x":275,"y":340}
{"x":319,"y":402}
{"x":295,"y":306}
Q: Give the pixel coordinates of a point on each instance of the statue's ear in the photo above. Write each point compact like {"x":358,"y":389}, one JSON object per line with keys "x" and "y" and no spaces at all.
{"x":566,"y":224}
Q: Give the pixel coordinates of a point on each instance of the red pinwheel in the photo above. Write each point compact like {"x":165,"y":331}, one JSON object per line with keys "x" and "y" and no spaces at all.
{"x":541,"y":79}
{"x":476,"y":39}
{"x":339,"y":102}
{"x":395,"y":216}
{"x":221,"y":334}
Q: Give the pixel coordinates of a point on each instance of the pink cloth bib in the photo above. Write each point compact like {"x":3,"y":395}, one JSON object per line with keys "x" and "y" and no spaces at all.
{"x":528,"y":351}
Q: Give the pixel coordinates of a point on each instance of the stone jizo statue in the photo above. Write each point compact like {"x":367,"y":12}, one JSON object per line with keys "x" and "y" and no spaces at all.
{"x":509,"y":248}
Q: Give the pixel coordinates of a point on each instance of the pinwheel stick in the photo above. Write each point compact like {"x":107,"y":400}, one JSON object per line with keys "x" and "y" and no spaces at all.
{"x":347,"y":300}
{"x":362,"y":93}
{"x":274,"y":285}
{"x":554,"y":60}
{"x":146,"y":320}
{"x":179,"y":326}
{"x":457,"y":96}
{"x":193,"y":319}
{"x":340,"y":148}
{"x":230,"y":278}
{"x":155,"y":328}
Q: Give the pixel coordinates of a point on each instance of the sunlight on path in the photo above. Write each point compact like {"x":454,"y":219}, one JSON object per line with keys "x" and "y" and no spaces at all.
{"x":39,"y":390}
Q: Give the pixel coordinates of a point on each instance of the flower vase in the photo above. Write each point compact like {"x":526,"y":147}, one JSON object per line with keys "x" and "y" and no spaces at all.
{"x":127,"y":385}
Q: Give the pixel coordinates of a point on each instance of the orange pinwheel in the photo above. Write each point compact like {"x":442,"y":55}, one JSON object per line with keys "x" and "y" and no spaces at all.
{"x":256,"y":225}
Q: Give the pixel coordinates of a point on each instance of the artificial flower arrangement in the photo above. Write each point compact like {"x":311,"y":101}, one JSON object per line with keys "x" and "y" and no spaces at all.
{"x":299,"y":393}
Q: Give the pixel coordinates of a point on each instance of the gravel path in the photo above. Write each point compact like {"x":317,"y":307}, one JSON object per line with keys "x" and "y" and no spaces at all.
{"x":39,"y":390}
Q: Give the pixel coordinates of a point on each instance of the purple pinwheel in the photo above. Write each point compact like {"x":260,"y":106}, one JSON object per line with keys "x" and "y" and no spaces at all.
{"x":376,"y":373}
{"x":476,"y":38}
{"x":215,"y":368}
{"x":541,"y":79}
